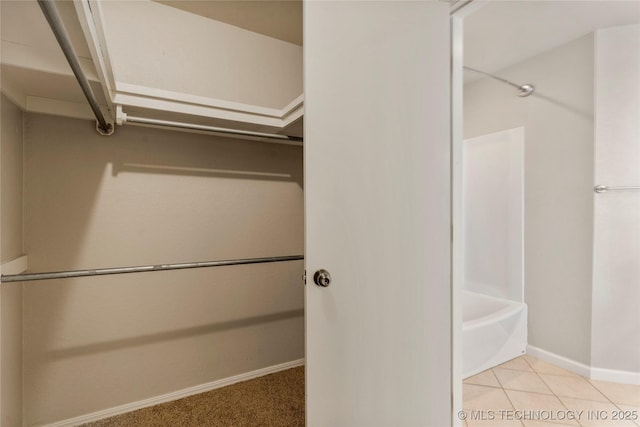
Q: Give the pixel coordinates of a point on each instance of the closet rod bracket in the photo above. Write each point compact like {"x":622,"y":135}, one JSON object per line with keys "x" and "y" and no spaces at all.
{"x":57,"y":26}
{"x":108,"y":132}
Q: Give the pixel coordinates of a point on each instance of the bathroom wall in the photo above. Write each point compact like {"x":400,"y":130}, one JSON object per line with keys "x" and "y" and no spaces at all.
{"x":11,"y":125}
{"x":616,"y":271}
{"x":558,"y":126}
{"x":148,"y":196}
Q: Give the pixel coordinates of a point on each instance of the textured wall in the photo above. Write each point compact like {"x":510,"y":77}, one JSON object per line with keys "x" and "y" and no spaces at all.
{"x":11,"y":181}
{"x":11,"y":237}
{"x":146,"y":196}
{"x":616,"y":269}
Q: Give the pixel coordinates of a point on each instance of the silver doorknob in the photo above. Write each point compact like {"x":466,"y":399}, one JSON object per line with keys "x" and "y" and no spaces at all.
{"x":322,"y":278}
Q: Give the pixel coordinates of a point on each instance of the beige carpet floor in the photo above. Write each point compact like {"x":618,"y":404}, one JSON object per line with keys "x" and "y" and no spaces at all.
{"x":275,"y":400}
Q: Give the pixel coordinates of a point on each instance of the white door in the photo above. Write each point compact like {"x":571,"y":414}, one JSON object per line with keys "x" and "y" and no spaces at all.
{"x":377,"y":185}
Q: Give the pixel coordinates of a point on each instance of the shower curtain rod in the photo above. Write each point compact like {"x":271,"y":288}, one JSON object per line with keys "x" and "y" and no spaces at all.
{"x":605,"y":188}
{"x":523,"y":90}
{"x":57,"y":26}
{"x":141,"y":269}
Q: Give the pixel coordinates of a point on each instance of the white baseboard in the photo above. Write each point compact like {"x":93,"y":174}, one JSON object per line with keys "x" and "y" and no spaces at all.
{"x":561,"y":361}
{"x":615,"y":376}
{"x":625,"y":377}
{"x":122,"y":409}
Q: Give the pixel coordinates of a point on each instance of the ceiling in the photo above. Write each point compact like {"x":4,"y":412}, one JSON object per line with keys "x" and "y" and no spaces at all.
{"x":502,"y":33}
{"x":274,"y":18}
{"x":34,"y":68}
{"x":23,"y":23}
{"x":497,"y":35}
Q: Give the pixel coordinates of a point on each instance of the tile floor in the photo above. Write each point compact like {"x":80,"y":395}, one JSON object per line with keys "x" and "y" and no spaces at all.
{"x":529,"y":392}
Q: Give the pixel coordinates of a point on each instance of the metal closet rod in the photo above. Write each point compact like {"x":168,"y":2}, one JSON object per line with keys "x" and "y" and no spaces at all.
{"x":103,"y":127}
{"x":125,"y":118}
{"x":57,"y":26}
{"x":141,"y":269}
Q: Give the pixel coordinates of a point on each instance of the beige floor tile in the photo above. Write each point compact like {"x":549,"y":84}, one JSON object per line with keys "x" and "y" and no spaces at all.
{"x":490,"y":418}
{"x":626,"y":394}
{"x":496,"y":423}
{"x":521,"y":380}
{"x":535,"y":402}
{"x":477,"y":397}
{"x":533,"y":423}
{"x":594,"y":413}
{"x":542,"y":367}
{"x":528,"y":386}
{"x":485,"y":378}
{"x":631,"y":413}
{"x":518,"y":364}
{"x":572,"y":386}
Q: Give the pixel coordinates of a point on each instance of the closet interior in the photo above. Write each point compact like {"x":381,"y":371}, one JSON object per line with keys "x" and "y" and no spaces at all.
{"x":191,"y":157}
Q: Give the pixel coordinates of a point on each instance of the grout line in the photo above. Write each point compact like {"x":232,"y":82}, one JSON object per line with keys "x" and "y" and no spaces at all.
{"x":558,"y":397}
{"x":569,"y":373}
{"x":511,"y":369}
{"x":505,"y":393}
{"x":539,"y":375}
{"x":636,"y":421}
{"x":525,"y":391}
{"x":553,"y":392}
{"x":605,"y":395}
{"x":584,"y":398}
{"x":572,"y":374}
{"x":587,"y":380}
{"x":483,"y":385}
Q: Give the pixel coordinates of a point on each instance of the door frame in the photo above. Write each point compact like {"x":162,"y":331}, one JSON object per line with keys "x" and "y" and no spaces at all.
{"x":458,"y":15}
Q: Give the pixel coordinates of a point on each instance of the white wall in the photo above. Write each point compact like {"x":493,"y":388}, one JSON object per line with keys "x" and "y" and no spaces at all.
{"x":615,"y":342}
{"x":558,"y":123}
{"x":146,"y":196}
{"x":11,"y":247}
{"x":157,"y":46}
{"x":493,"y":173}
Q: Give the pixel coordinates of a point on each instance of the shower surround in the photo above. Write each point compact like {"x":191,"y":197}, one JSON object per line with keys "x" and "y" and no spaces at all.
{"x":494,"y":313}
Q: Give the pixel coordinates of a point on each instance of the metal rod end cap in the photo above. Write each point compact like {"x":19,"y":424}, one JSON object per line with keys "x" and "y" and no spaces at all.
{"x":525,"y":90}
{"x":109,"y":131}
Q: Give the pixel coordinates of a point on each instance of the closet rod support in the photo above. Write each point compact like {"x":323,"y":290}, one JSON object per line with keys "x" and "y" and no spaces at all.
{"x":123,"y":118}
{"x":141,"y":269}
{"x":57,"y":26}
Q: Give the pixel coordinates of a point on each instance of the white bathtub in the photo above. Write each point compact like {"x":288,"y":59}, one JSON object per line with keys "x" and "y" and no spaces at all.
{"x":494,"y":330}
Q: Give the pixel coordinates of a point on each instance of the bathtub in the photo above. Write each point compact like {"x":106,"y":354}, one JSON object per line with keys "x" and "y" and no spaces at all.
{"x":494,"y":330}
